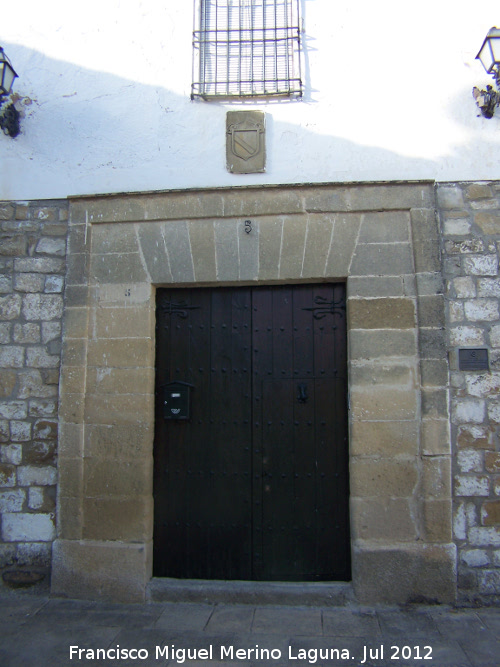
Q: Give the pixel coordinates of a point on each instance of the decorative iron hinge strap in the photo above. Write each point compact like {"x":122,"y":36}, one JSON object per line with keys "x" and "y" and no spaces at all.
{"x":324,"y":307}
{"x":178,"y":308}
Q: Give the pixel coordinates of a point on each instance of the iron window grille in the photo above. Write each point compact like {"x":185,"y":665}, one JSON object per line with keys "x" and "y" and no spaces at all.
{"x":246,"y":48}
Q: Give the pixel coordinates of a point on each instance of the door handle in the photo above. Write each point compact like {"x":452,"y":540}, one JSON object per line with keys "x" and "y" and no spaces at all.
{"x":302,"y":393}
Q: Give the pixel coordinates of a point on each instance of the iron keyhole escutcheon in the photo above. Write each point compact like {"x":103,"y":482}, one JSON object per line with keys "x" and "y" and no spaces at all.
{"x":302,"y":393}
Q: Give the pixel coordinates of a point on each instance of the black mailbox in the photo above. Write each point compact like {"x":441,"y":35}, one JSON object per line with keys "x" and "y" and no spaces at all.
{"x":176,"y":400}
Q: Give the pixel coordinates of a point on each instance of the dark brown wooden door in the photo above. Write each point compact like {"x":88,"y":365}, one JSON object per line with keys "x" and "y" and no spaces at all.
{"x":254,"y":484}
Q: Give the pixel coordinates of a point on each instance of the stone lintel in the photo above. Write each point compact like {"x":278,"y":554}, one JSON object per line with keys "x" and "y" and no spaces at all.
{"x":253,"y":200}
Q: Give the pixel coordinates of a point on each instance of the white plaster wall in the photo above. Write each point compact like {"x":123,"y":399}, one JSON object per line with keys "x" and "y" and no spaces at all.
{"x":105,"y":94}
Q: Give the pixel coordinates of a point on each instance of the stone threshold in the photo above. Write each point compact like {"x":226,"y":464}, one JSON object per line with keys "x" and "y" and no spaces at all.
{"x":327,"y":594}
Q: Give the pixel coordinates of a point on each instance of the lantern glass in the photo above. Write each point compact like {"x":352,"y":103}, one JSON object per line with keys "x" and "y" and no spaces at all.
{"x":7,"y":74}
{"x":489,"y":53}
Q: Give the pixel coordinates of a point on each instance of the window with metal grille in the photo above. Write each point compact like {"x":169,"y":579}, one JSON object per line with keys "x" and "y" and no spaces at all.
{"x":246,"y":48}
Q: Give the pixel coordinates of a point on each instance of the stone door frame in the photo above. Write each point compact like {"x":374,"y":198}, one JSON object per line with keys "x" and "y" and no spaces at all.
{"x":383,"y":240}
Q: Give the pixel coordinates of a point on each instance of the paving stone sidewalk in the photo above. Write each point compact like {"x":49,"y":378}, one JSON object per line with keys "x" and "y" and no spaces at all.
{"x":39,"y":631}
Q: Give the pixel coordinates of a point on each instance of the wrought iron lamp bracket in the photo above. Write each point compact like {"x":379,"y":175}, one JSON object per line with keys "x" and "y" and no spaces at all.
{"x":9,"y":120}
{"x":487,"y":100}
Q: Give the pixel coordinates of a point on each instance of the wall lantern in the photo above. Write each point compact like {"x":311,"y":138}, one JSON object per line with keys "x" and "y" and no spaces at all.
{"x":489,"y":55}
{"x":9,"y":115}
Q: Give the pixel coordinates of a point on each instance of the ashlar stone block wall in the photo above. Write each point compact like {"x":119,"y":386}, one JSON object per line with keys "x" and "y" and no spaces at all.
{"x":32,"y":276}
{"x":383,"y":240}
{"x":470,"y":223}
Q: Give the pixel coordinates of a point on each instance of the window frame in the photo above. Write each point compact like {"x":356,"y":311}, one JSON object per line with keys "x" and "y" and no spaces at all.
{"x":246,"y":49}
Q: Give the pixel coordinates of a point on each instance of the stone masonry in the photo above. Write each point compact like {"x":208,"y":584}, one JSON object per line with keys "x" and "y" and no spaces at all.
{"x":32,"y":275}
{"x":383,"y":240}
{"x":470,"y":219}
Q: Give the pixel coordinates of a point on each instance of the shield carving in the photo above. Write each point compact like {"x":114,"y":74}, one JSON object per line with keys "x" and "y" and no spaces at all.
{"x":246,"y":139}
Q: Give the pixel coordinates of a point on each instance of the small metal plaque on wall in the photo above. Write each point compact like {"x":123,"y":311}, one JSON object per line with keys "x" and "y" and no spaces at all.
{"x":473,"y":359}
{"x":245,"y":142}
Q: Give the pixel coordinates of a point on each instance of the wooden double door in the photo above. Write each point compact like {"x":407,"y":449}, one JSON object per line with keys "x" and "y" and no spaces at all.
{"x":253,"y":484}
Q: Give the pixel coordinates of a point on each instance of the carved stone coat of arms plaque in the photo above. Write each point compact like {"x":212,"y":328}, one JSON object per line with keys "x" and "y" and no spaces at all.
{"x":245,"y":142}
